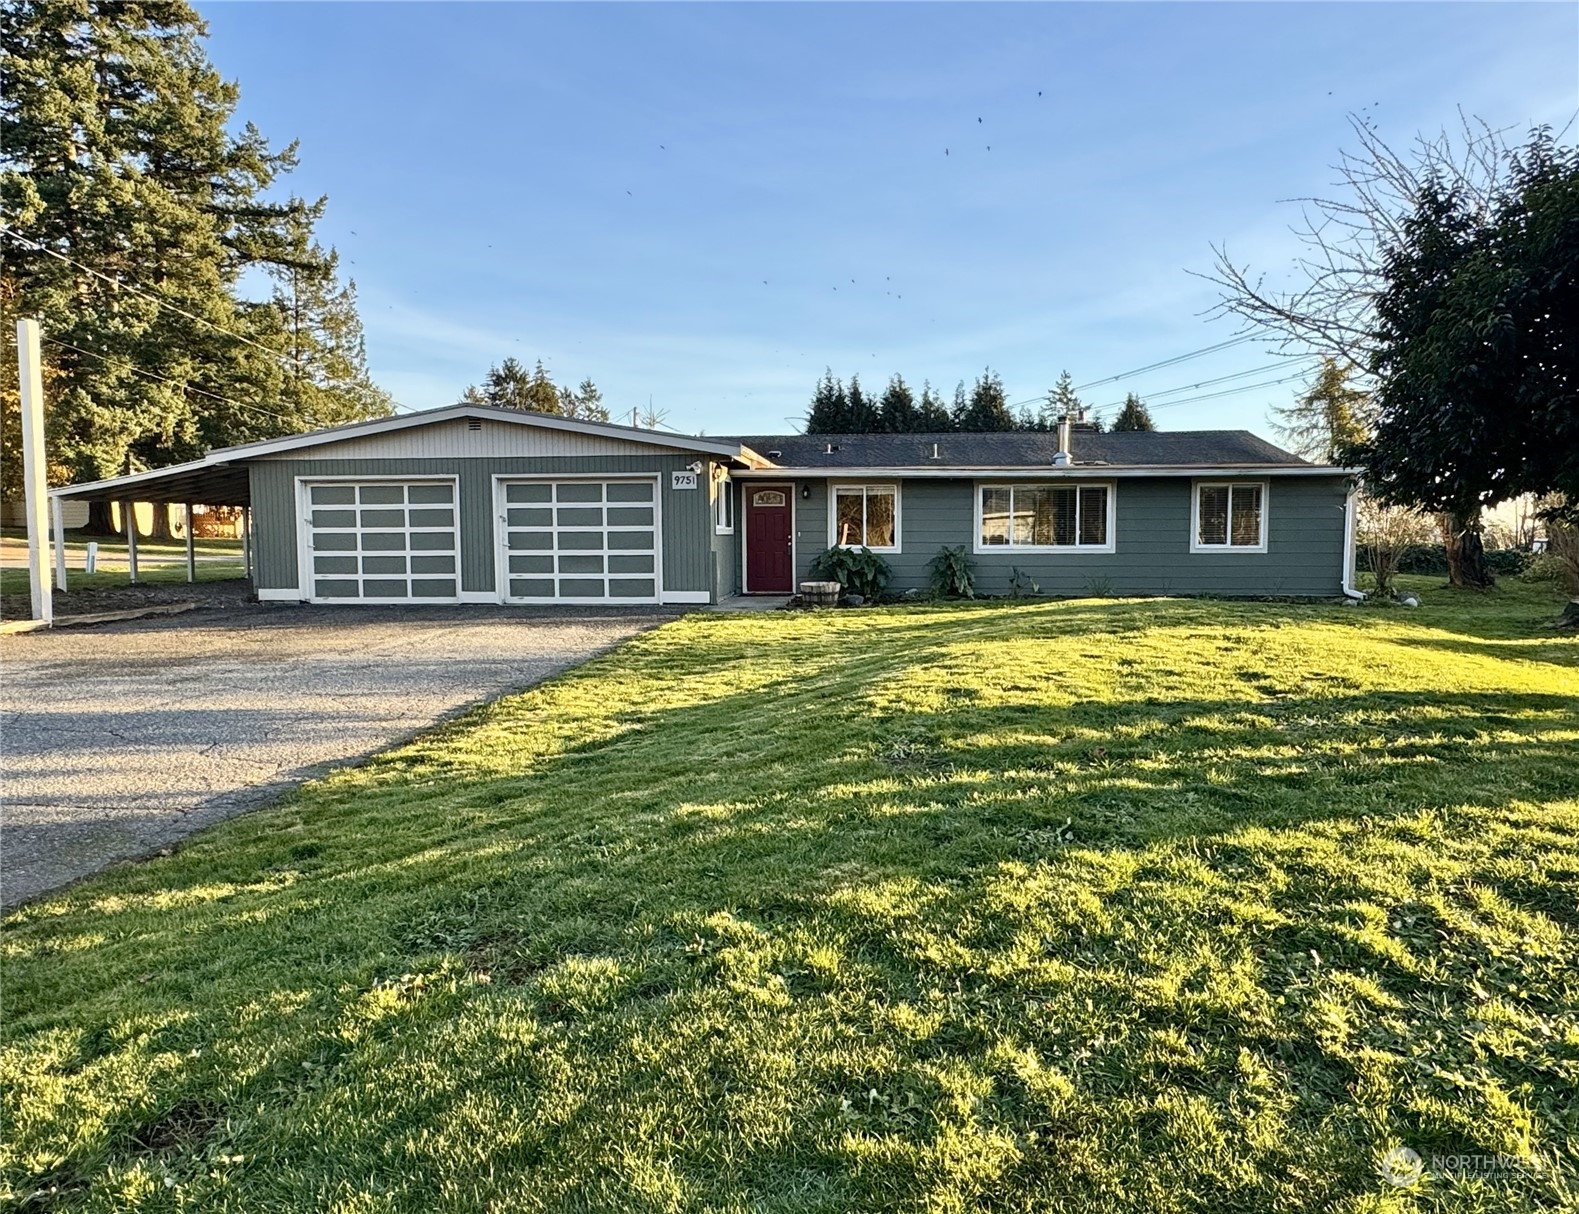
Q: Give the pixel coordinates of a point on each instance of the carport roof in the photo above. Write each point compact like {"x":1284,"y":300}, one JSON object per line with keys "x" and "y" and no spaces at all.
{"x":220,"y":477}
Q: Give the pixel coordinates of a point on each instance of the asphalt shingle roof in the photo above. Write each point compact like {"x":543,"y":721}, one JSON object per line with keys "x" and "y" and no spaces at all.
{"x":1019,"y":449}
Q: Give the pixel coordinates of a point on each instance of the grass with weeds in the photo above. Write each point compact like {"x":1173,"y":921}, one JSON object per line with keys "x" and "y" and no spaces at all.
{"x":1088,"y":905}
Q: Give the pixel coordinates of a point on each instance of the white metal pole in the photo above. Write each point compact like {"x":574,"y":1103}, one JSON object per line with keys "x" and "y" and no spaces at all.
{"x":57,"y":510}
{"x":191,"y":552}
{"x":35,"y":487}
{"x":246,"y":542}
{"x":129,"y":513}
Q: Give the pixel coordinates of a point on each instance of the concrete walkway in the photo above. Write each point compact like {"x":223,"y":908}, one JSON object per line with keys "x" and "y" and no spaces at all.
{"x":118,"y":740}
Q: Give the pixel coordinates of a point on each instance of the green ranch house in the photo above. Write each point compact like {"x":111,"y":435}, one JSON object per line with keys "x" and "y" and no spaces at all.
{"x":472,"y":504}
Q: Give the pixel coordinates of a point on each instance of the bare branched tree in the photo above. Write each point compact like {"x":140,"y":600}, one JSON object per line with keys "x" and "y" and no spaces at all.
{"x":1327,"y":304}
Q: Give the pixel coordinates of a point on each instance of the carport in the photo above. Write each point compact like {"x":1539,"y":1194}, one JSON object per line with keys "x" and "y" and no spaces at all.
{"x":202,"y":482}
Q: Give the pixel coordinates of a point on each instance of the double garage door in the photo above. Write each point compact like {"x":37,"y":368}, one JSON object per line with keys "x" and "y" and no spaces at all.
{"x":382,"y":541}
{"x":578,"y":540}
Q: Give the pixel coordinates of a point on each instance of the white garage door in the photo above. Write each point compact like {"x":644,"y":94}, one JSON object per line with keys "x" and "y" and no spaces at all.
{"x":579,"y":540}
{"x":382,"y":541}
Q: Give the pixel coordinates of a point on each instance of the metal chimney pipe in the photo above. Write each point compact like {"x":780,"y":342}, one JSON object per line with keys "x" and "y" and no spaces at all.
{"x":1064,"y":455}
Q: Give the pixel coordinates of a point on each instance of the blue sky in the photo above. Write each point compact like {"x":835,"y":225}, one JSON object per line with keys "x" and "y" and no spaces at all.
{"x":706,"y":205}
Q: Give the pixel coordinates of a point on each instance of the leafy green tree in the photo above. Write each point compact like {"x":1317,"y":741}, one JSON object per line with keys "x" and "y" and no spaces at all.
{"x":830,"y":409}
{"x":932,"y":415}
{"x":117,"y":153}
{"x":897,"y":413}
{"x":1477,"y":350}
{"x":987,"y":407}
{"x":1134,"y":415}
{"x":1328,"y":417}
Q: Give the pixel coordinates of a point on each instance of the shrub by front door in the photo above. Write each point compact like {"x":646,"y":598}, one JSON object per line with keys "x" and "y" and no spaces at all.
{"x":769,"y":555}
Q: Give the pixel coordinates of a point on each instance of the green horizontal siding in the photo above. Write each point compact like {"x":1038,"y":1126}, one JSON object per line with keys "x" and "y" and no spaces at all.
{"x":1152,"y":542}
{"x":688,"y":560}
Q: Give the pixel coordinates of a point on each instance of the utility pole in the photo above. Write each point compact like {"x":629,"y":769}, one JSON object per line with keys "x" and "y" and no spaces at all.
{"x":36,"y":487}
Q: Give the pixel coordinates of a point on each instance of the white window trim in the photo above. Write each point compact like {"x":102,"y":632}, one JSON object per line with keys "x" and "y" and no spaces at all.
{"x":981,"y":549}
{"x":724,"y":500}
{"x":1195,"y":515}
{"x":866,"y":486}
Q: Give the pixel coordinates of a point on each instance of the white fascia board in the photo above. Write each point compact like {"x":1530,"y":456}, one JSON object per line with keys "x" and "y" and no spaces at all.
{"x":295,"y":442}
{"x":519,"y":417}
{"x":132,"y":479}
{"x":1049,"y":472}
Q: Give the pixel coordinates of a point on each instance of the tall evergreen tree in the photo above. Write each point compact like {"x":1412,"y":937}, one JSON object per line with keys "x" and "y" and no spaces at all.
{"x":897,"y":412}
{"x":1328,"y":416}
{"x":325,"y":377}
{"x":987,"y":408}
{"x":932,"y":415}
{"x":1134,"y":415}
{"x":1061,"y":403}
{"x":509,"y":385}
{"x":116,"y":151}
{"x":862,"y":416}
{"x":830,"y":410}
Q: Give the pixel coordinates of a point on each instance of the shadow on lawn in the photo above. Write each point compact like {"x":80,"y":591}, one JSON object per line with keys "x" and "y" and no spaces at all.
{"x":912,"y":848}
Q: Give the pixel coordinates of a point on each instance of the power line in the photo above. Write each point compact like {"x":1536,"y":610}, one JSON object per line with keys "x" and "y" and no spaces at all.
{"x":1190,"y":400}
{"x":1156,"y":366}
{"x":136,"y":370}
{"x":293,"y":364}
{"x":1168,"y":362}
{"x":1205,"y":383}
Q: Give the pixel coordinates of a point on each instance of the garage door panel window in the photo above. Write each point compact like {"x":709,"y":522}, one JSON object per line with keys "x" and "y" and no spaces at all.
{"x":367,"y":551}
{"x":597,"y":540}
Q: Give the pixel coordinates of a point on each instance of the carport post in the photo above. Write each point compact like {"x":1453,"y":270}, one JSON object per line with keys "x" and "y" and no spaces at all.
{"x":246,"y":542}
{"x":57,"y":517}
{"x":191,"y":552}
{"x":129,"y":515}
{"x":35,"y":483}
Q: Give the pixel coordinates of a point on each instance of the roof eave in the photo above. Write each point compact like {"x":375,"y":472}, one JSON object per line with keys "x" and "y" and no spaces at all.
{"x":1046,"y":470}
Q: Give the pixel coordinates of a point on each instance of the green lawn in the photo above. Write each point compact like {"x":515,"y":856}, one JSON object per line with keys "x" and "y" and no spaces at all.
{"x":158,"y":561}
{"x":1061,"y":906}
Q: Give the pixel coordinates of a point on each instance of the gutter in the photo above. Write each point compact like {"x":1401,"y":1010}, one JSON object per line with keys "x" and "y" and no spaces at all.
{"x":1089,"y":471}
{"x":1350,"y":522}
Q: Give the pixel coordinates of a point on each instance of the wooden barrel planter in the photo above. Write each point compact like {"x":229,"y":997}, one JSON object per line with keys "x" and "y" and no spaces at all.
{"x":819,"y":594}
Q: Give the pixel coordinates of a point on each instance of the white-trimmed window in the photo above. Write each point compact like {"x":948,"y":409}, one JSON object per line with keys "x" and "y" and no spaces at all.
{"x":864,"y":516}
{"x":1228,"y":516}
{"x":724,"y":507}
{"x":1074,"y":516}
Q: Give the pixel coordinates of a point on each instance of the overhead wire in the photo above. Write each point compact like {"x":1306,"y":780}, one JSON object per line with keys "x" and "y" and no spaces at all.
{"x":113,"y":359}
{"x":292,"y":364}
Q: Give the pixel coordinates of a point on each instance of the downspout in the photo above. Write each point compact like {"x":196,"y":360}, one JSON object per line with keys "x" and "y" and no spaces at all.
{"x":1349,"y":527}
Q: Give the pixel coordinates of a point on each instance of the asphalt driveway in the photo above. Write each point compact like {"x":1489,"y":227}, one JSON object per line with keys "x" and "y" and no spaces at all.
{"x":118,"y":740}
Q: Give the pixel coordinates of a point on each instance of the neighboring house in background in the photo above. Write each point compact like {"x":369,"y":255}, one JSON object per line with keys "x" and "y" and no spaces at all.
{"x":474,"y":504}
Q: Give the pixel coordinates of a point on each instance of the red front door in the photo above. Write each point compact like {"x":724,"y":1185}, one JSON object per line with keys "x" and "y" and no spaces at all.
{"x":769,"y":558}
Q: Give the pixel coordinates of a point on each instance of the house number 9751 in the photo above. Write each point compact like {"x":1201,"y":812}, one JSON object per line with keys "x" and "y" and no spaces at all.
{"x":683,"y":480}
